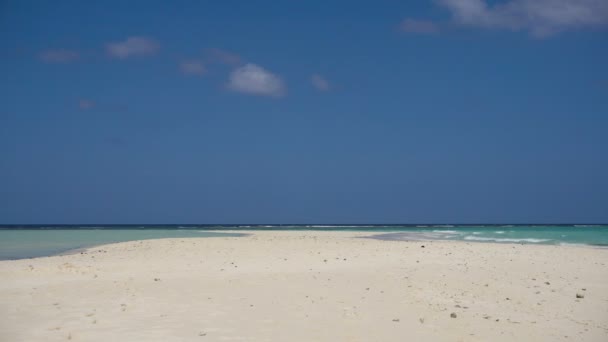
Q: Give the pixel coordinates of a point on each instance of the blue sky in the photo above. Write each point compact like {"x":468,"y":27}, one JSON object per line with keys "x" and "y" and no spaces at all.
{"x":309,"y":112}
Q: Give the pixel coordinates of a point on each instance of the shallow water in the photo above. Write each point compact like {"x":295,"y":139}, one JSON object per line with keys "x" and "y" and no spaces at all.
{"x":18,"y":242}
{"x":548,"y":235}
{"x":30,"y":243}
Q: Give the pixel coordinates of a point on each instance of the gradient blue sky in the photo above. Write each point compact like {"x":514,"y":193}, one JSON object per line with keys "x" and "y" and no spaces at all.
{"x":283,"y":112}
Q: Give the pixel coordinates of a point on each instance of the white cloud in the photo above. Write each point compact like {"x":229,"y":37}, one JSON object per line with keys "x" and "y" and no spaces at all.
{"x":253,"y":79}
{"x":541,"y":18}
{"x":85,"y":104}
{"x":319,"y":82}
{"x":132,"y":46}
{"x":419,"y":26}
{"x":59,"y":56}
{"x":216,"y":55}
{"x":192,"y":67}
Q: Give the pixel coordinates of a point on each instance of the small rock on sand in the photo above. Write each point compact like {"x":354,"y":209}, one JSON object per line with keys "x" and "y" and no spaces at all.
{"x":580,"y":295}
{"x":453,"y":315}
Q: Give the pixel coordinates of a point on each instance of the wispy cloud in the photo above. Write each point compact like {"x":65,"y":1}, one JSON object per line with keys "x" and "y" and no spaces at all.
{"x":419,"y":26}
{"x":85,"y":104}
{"x":215,"y":55}
{"x":255,"y":80}
{"x":59,"y":56}
{"x":132,"y":47}
{"x":541,"y":18}
{"x":319,"y":82}
{"x":192,"y":67}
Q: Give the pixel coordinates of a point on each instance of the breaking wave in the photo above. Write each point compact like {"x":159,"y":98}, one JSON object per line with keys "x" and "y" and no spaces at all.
{"x":530,"y":240}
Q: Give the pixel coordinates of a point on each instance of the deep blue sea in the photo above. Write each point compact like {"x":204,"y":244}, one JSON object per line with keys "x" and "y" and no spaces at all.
{"x":27,"y":241}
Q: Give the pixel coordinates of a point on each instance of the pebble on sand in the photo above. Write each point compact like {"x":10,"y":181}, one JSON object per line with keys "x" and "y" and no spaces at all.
{"x":580,"y":295}
{"x":453,"y":315}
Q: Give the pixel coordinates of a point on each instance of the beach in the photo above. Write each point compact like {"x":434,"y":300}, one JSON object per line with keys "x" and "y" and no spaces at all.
{"x":307,"y":286}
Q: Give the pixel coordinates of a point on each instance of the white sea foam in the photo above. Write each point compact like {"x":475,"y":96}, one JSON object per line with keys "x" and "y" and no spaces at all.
{"x":476,"y":233}
{"x":445,"y":231}
{"x":412,"y":236}
{"x":475,"y":238}
{"x":573,"y":244}
{"x":500,"y":232}
{"x":320,"y":226}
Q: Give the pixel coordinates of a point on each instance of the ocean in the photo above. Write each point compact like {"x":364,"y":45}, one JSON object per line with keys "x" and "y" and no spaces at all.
{"x":29,"y":241}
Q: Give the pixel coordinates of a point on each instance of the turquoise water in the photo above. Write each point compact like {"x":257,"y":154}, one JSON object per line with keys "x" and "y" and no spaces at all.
{"x":596,"y":235}
{"x":31,"y":243}
{"x":18,"y":242}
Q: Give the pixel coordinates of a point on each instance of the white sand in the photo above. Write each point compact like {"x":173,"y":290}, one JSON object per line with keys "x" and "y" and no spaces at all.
{"x":307,"y":286}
